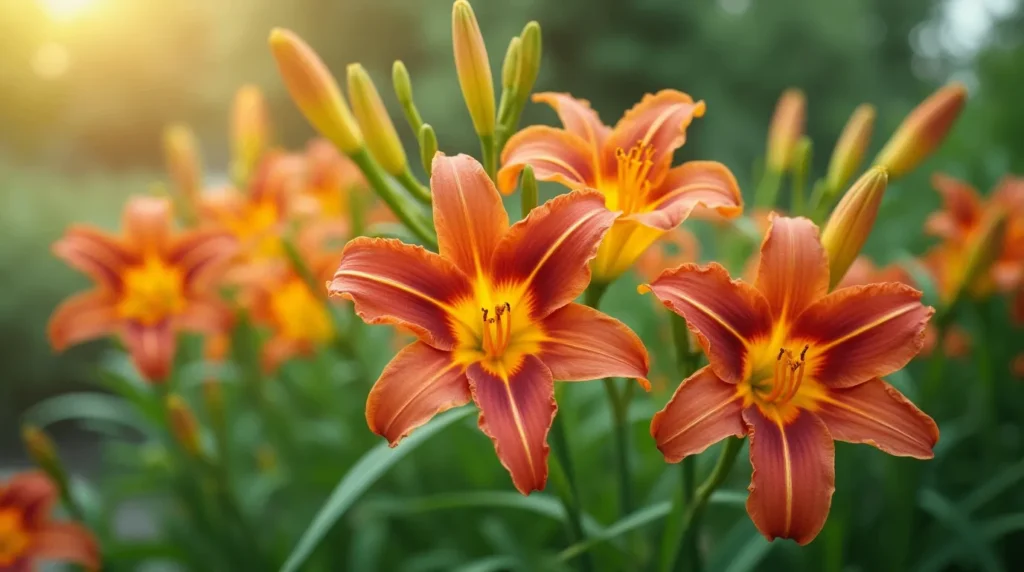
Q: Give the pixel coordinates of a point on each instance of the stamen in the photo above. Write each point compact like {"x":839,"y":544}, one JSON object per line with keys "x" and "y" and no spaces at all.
{"x":633,"y":170}
{"x":803,"y":354}
{"x":497,"y":332}
{"x":798,"y":372}
{"x":781,"y":379}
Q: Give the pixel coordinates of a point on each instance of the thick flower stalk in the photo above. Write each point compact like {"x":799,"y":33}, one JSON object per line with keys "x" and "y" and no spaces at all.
{"x":794,"y":367}
{"x":151,"y":283}
{"x":493,"y":314}
{"x":631,"y":167}
{"x":29,"y":536}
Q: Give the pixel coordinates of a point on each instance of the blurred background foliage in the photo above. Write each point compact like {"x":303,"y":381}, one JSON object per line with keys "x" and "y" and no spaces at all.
{"x":86,"y":86}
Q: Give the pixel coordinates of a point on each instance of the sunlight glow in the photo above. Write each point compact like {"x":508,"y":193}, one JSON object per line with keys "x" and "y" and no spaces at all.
{"x":66,"y":10}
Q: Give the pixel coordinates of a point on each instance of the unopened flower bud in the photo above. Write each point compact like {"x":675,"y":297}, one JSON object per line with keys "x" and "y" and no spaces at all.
{"x":529,"y":59}
{"x":848,"y":228}
{"x":786,"y":128}
{"x":250,"y":130}
{"x":923,"y":130}
{"x":181,"y":154}
{"x":183,"y":424}
{"x":381,"y":137}
{"x":528,"y":190}
{"x":40,"y":447}
{"x":403,"y":90}
{"x":473,"y":68}
{"x":428,"y":147}
{"x":314,"y":90}
{"x":982,"y":249}
{"x":850,"y":148}
{"x":510,"y":68}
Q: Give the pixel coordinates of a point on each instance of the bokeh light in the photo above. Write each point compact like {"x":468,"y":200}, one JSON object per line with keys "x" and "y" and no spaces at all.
{"x":51,"y":61}
{"x":65,"y":10}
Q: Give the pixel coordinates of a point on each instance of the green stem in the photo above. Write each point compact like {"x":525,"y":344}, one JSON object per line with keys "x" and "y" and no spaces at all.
{"x":593,"y":294}
{"x":689,"y":465}
{"x":571,"y":501}
{"x":406,"y":213}
{"x":693,"y":513}
{"x":767,"y":193}
{"x":488,"y":149}
{"x":415,"y":188}
{"x":621,"y":431}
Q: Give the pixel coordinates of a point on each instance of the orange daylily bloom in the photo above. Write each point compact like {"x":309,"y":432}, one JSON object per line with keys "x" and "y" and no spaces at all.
{"x":151,"y":283}
{"x":493,"y":314}
{"x":963,"y":217}
{"x":794,"y":367}
{"x":28,"y":535}
{"x":331,"y":178}
{"x":630,"y":165}
{"x":297,"y":316}
{"x":955,"y":344}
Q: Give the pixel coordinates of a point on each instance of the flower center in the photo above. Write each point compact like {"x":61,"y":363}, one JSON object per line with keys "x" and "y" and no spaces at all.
{"x":14,"y":539}
{"x":787,"y":378}
{"x":299,"y":314}
{"x":633,"y":184}
{"x":153,"y":291}
{"x":497,"y":330}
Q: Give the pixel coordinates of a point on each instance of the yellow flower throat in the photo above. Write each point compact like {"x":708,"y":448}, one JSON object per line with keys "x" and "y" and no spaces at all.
{"x":152,"y":292}
{"x":633,"y":185}
{"x":14,"y":539}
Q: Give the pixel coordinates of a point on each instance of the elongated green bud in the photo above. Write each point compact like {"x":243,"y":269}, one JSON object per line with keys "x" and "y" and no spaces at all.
{"x":473,"y":68}
{"x":510,"y":68}
{"x":786,"y":128}
{"x":529,"y":59}
{"x":183,"y":423}
{"x":850,"y":148}
{"x":848,"y":228}
{"x":982,"y":251}
{"x":381,"y":137}
{"x":923,"y":130}
{"x":428,"y":146}
{"x":403,"y":90}
{"x":528,"y":188}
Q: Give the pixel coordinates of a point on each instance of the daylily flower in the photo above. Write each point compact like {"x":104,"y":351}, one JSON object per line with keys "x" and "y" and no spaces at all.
{"x":331,"y":179}
{"x":297,"y":316}
{"x":27,"y":535}
{"x":630,"y":165}
{"x":794,"y":367}
{"x":493,"y":315}
{"x":151,"y":283}
{"x":961,"y":221}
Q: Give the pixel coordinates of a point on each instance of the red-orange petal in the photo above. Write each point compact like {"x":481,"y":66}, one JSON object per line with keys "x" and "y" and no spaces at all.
{"x":555,"y":155}
{"x":151,"y":347}
{"x":82,"y":317}
{"x":548,"y":251}
{"x":703,"y":411}
{"x":583,"y":343}
{"x":516,"y":412}
{"x":468,"y":213}
{"x":793,"y":270}
{"x":66,"y":542}
{"x":419,"y":383}
{"x":577,"y":117}
{"x":206,"y":314}
{"x":395,"y":283}
{"x":727,"y":315}
{"x":707,"y":184}
{"x":875,"y":413}
{"x":794,"y":475}
{"x":659,"y":120}
{"x":862,"y":332}
{"x":32,"y":493}
{"x":962,"y":208}
{"x":202,"y":256}
{"x":100,"y":256}
{"x":147,"y":223}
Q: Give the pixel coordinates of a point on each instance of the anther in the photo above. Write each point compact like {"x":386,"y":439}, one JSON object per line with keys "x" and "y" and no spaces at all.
{"x":803,"y":354}
{"x":781,"y":351}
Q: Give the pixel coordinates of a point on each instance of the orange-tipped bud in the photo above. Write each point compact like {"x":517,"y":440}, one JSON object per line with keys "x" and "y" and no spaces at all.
{"x":923,"y":130}
{"x":183,"y":424}
{"x":250,"y":130}
{"x":39,"y":446}
{"x":314,"y":90}
{"x":473,"y":68}
{"x":849,"y":151}
{"x":181,"y":154}
{"x":786,"y":128}
{"x":381,"y":137}
{"x":847,"y":229}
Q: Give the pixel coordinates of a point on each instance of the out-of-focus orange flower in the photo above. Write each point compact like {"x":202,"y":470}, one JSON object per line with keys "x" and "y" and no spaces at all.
{"x":955,"y":344}
{"x":151,"y":283}
{"x":1018,"y":366}
{"x":297,"y":315}
{"x":923,"y":130}
{"x":493,"y":314}
{"x":794,"y":367}
{"x":181,"y":156}
{"x":678,"y":246}
{"x":963,"y":222}
{"x":250,"y":130}
{"x":331,"y":178}
{"x":786,"y":129}
{"x":630,"y":165}
{"x":27,"y":533}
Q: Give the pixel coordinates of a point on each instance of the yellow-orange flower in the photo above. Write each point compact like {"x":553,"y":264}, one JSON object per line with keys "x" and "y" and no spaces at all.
{"x":794,"y":367}
{"x":630,"y":165}
{"x":150,"y":284}
{"x":963,"y":222}
{"x":27,"y":533}
{"x":493,"y":314}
